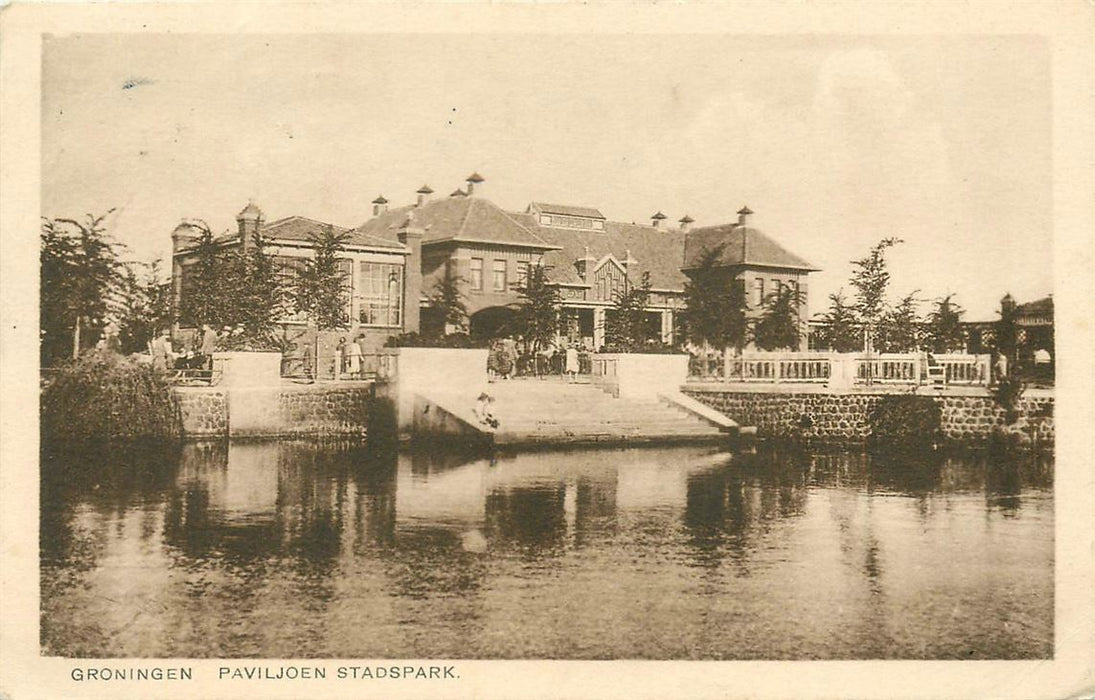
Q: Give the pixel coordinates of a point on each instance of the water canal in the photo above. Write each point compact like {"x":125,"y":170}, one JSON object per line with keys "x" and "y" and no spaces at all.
{"x":296,"y":549}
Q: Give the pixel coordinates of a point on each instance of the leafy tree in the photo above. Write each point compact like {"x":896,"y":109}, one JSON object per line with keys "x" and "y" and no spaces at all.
{"x":871,"y":280}
{"x":840,"y":330}
{"x":319,"y":290}
{"x":144,"y":305}
{"x":714,"y":304}
{"x":778,"y":327}
{"x":626,"y":323}
{"x":204,"y":296}
{"x":899,"y":330}
{"x":945,"y":325}
{"x":537,"y":317}
{"x":79,"y":272}
{"x":448,"y":298}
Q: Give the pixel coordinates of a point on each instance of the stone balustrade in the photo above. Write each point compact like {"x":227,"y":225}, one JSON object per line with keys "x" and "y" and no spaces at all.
{"x":841,"y":370}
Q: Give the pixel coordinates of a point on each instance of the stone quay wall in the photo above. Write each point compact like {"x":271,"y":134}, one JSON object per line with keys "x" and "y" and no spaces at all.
{"x":204,"y":411}
{"x":844,"y":417}
{"x":328,"y":409}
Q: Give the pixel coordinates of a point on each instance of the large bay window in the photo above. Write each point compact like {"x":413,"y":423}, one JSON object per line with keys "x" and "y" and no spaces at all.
{"x":380,"y":301}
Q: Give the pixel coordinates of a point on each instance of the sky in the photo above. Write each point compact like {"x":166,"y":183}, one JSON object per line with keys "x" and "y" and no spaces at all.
{"x":834,"y":143}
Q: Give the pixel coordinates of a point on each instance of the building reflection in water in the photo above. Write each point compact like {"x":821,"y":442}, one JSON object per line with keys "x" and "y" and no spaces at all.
{"x":344,"y":542}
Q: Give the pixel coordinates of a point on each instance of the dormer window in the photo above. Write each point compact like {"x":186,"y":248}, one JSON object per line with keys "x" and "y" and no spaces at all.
{"x":560,"y":216}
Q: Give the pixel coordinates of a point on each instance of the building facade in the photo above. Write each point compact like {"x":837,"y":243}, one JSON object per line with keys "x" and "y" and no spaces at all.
{"x":398,"y":257}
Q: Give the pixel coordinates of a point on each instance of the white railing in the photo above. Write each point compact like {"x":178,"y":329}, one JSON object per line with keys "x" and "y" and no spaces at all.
{"x":965,"y":369}
{"x":842,"y":369}
{"x":888,"y":369}
{"x":780,"y":367}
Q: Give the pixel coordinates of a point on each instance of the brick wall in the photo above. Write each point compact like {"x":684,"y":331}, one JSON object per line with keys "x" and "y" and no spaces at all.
{"x":840,"y":417}
{"x":322,"y":410}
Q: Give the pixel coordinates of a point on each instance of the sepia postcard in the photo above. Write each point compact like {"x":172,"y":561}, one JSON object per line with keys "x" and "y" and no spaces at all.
{"x":547,"y":350}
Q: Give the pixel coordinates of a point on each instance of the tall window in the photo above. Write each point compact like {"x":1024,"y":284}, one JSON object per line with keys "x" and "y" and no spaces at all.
{"x":381,"y":298}
{"x":758,"y":292}
{"x":477,"y":274}
{"x":522,"y":271}
{"x":498,"y":274}
{"x":777,"y":286}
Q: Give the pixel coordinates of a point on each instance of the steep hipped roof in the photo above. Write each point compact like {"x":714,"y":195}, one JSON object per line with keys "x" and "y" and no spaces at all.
{"x":741,"y":245}
{"x":1039,"y":307}
{"x":657,"y":251}
{"x":299,"y":228}
{"x":567,"y":210}
{"x":457,"y":219}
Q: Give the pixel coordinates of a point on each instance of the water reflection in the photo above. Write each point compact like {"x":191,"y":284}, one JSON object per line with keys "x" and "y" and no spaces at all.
{"x":293,"y":548}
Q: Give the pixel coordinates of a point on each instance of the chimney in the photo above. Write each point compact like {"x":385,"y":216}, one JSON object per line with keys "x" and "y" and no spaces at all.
{"x":628,"y":262}
{"x":473,"y":180}
{"x":657,"y":219}
{"x":686,"y":223}
{"x":585,"y":264}
{"x":380,"y":205}
{"x":410,"y":235}
{"x":424,"y":193}
{"x":743,"y":216}
{"x":249,"y":222}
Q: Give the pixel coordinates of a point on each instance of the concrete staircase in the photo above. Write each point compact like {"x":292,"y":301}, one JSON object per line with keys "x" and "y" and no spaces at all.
{"x":554,"y":412}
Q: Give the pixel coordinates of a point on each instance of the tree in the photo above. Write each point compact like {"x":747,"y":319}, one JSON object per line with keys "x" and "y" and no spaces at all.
{"x":899,"y":329}
{"x":871,"y":280}
{"x":626,"y":324}
{"x":778,"y":326}
{"x":714,"y":312}
{"x":204,"y":298}
{"x":79,"y":271}
{"x":945,"y":325}
{"x":319,"y":289}
{"x":144,"y":305}
{"x":250,"y":294}
{"x":840,"y":330}
{"x":537,"y":316}
{"x":448,"y":298}
{"x":1007,"y":332}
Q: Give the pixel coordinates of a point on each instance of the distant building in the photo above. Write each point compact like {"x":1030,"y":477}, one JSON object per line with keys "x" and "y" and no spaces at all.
{"x":1034,"y":332}
{"x":397,"y":257}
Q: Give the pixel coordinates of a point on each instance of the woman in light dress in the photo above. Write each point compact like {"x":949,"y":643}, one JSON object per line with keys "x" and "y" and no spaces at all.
{"x":352,"y":356}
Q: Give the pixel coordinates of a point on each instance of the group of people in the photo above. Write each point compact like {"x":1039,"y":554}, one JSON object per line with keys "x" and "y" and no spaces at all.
{"x":198,"y":356}
{"x":502,"y":359}
{"x":504,"y":362}
{"x":350,"y":356}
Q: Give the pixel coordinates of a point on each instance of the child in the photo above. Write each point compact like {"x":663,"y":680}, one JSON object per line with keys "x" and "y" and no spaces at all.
{"x":483,"y":410}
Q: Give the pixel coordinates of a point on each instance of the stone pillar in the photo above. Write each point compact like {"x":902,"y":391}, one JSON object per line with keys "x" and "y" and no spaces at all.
{"x":667,"y":326}
{"x":598,"y":328}
{"x":411,"y":236}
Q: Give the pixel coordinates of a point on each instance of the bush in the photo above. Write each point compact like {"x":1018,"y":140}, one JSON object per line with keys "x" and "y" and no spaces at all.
{"x":1007,"y":392}
{"x":103,"y":396}
{"x":905,"y":419}
{"x":650,"y":347}
{"x":416,"y":340}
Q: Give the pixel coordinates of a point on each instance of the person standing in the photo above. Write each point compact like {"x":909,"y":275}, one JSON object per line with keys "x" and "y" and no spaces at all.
{"x":572,"y":362}
{"x":208,"y":346}
{"x":162,"y":356}
{"x":1000,"y":367}
{"x":340,"y":358}
{"x":353,"y":359}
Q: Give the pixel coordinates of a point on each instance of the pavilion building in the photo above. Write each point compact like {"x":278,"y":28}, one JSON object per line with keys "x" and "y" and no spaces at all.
{"x":396,"y":259}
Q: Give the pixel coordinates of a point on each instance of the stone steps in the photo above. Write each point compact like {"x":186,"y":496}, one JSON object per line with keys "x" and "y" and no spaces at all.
{"x":562,"y":413}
